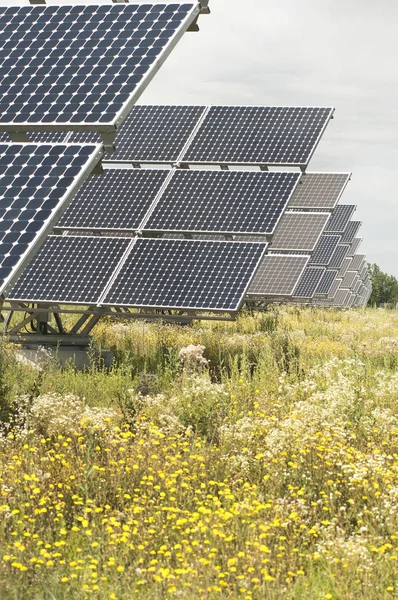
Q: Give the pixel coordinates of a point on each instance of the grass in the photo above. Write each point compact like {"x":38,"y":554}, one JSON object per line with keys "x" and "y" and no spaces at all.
{"x":261,"y":466}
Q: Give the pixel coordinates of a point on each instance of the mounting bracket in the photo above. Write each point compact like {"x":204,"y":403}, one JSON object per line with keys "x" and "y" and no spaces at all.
{"x":204,"y":7}
{"x":109,"y":141}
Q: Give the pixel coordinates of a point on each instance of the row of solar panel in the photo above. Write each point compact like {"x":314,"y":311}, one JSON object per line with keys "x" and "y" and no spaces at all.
{"x":238,"y":202}
{"x":215,"y":135}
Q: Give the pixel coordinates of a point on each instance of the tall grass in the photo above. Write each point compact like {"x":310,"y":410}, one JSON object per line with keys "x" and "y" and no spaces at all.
{"x":264,"y":467}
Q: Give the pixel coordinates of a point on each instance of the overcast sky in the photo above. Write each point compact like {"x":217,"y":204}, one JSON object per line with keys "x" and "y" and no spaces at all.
{"x":341,"y":53}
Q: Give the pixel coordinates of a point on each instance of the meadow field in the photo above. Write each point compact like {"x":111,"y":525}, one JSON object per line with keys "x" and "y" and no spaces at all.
{"x":252,"y":460}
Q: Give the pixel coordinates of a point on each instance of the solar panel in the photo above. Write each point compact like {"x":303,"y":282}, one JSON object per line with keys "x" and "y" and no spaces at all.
{"x":319,"y":190}
{"x":69,"y":66}
{"x":278,"y":275}
{"x":357,"y":286}
{"x":350,"y":232}
{"x":118,"y":200}
{"x":70,"y":269}
{"x":340,"y":218}
{"x":258,"y":135}
{"x":36,"y":184}
{"x":357,"y":262}
{"x":364,"y":271}
{"x":348,"y":280}
{"x":222,"y":201}
{"x":340,"y":297}
{"x":185,"y":274}
{"x":324,"y":250}
{"x":299,"y":231}
{"x":308,"y":282}
{"x":326,"y":283}
{"x":153,"y":134}
{"x":334,"y":288}
{"x":354,"y":247}
{"x":338,"y":256}
{"x":344,"y":267}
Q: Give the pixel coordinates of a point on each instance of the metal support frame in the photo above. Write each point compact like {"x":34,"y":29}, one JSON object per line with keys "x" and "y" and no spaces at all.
{"x":47,"y":326}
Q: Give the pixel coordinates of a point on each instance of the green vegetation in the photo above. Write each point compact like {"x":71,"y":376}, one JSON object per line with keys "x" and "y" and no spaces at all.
{"x":250,"y":460}
{"x":385,"y":287}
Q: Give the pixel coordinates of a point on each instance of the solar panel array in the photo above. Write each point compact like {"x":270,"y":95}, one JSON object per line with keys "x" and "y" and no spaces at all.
{"x":162,"y":238}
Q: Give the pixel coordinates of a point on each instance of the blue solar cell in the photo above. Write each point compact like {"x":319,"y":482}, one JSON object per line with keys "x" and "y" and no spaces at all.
{"x":33,"y":191}
{"x":185,"y":274}
{"x":70,"y":269}
{"x":76,"y":65}
{"x":119,"y":199}
{"x":258,"y":135}
{"x":222,"y":201}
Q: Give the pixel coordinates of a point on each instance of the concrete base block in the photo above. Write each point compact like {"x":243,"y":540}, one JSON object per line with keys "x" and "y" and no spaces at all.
{"x":81,"y":358}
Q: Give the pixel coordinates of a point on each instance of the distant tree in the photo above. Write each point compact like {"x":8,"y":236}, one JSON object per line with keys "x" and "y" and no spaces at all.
{"x":385,"y":287}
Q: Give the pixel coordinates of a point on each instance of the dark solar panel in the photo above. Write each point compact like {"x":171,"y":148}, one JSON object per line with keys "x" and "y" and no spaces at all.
{"x":36,"y":182}
{"x":350,"y":232}
{"x":278,"y":275}
{"x":222,"y":201}
{"x":340,"y":218}
{"x":118,"y":199}
{"x":71,"y":65}
{"x":156,"y":133}
{"x":299,"y":231}
{"x":326,"y":283}
{"x":319,"y":190}
{"x":185,"y":274}
{"x":338,"y":256}
{"x":324,"y":250}
{"x":70,"y":269}
{"x":258,"y":135}
{"x":308,"y":282}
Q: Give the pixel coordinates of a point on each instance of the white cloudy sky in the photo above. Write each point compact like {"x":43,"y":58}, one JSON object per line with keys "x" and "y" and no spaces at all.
{"x":341,"y":53}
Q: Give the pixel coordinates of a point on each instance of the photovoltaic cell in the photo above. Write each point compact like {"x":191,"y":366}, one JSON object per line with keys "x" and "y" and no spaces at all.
{"x":324,"y":250}
{"x":354,"y":247}
{"x":340,"y":297}
{"x":185,"y":274}
{"x":299,"y":231}
{"x":340,"y":218}
{"x":70,"y":269}
{"x":118,"y":199}
{"x":334,"y":288}
{"x":344,"y":267}
{"x":152,"y":133}
{"x":36,"y":183}
{"x":319,"y":191}
{"x":350,"y":232}
{"x":74,"y":65}
{"x":357,"y":262}
{"x":278,"y":275}
{"x":222,"y":201}
{"x":338,"y":256}
{"x":258,"y":135}
{"x":308,"y":282}
{"x":348,"y":280}
{"x":326,"y":283}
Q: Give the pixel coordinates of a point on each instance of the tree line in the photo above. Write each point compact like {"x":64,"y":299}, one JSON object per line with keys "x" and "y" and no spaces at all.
{"x":385,"y":286}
